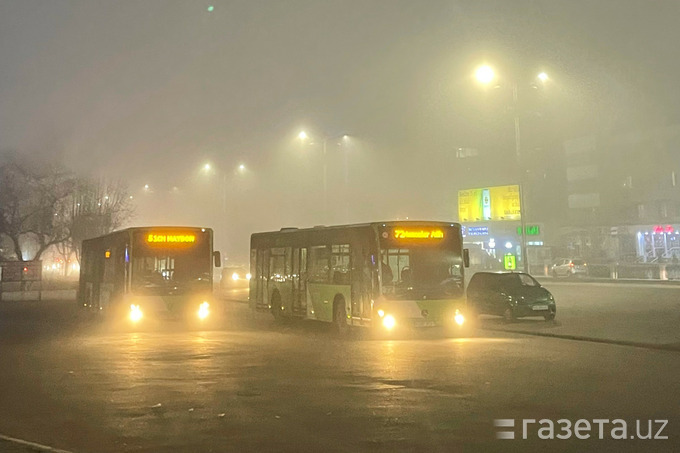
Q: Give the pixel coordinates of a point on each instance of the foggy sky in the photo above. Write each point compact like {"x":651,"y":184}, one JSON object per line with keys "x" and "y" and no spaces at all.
{"x":149,"y":91}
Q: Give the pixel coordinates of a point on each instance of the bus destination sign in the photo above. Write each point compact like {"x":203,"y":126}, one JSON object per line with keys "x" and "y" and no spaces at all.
{"x":152,"y":238}
{"x":404,"y":233}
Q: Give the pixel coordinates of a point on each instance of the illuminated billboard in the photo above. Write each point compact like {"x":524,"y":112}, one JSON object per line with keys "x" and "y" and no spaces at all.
{"x":489,"y":203}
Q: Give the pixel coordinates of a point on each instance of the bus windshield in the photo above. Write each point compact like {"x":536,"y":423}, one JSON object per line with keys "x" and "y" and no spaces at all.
{"x":421,"y":272}
{"x":162,"y":272}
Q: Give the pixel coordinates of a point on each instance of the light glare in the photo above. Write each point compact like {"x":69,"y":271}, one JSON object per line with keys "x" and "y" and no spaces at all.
{"x":485,"y":74}
{"x":389,"y":322}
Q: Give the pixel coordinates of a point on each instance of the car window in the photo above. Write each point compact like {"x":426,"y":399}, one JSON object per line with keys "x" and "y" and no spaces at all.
{"x":528,"y":280}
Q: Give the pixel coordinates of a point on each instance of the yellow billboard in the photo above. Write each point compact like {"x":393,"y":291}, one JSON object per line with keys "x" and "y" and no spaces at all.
{"x":489,"y":203}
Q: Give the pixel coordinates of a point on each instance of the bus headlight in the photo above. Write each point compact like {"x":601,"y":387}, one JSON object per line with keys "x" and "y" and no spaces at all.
{"x":389,"y":322}
{"x":203,"y":310}
{"x":135,"y":313}
{"x":459,"y":318}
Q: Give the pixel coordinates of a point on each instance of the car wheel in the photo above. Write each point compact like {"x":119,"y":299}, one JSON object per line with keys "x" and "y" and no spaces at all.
{"x":549,"y":317}
{"x":509,"y":314}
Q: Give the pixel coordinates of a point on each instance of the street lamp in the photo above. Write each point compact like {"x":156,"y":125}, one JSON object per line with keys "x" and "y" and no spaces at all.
{"x":303,"y":136}
{"x":485,"y":75}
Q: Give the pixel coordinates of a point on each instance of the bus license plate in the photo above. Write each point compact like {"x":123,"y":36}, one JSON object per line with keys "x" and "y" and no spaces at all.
{"x":539,"y":307}
{"x":421,"y":323}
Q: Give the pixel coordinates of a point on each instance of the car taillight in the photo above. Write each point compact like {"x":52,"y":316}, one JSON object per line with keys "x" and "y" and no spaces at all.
{"x":571,"y":264}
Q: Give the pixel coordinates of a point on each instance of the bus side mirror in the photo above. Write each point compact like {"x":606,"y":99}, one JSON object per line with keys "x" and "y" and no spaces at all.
{"x":217,"y":258}
{"x":466,"y":257}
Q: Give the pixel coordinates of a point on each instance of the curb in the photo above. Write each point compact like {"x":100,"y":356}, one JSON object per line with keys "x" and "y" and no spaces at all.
{"x":675,"y":347}
{"x":542,"y":279}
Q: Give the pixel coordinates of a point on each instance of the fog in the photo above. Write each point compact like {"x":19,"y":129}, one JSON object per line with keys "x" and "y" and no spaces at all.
{"x":152,"y":91}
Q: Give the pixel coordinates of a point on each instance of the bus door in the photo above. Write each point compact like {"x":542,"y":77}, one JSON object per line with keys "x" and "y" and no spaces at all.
{"x":299,"y":273}
{"x":262,"y":275}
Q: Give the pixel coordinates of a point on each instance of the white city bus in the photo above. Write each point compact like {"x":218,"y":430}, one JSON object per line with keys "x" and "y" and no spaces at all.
{"x":388,"y":275}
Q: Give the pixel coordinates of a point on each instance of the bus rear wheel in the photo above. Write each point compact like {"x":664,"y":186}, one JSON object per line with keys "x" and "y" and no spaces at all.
{"x":276,"y":308}
{"x":340,"y":326}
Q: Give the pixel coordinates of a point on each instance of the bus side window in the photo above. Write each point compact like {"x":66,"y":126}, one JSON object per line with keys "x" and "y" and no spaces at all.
{"x":319,"y":265}
{"x":341,"y":264}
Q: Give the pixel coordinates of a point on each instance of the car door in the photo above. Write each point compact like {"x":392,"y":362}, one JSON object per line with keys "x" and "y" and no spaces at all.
{"x":474,"y":293}
{"x":498,"y":294}
{"x":489,"y":294}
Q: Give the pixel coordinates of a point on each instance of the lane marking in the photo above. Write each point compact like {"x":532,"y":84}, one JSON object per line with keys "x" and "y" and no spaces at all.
{"x":39,"y":447}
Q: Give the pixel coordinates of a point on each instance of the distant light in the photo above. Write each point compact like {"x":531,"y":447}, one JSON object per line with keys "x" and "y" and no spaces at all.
{"x":106,"y":197}
{"x":206,"y":167}
{"x":146,"y":187}
{"x":130,"y":197}
{"x":508,"y":245}
{"x":543,"y":77}
{"x":302,"y":135}
{"x":241,"y":168}
{"x":211,"y":8}
{"x":485,"y":74}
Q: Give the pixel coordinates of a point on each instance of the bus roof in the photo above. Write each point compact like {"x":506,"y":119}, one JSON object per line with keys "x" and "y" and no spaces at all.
{"x":359,"y":225}
{"x":150,"y":227}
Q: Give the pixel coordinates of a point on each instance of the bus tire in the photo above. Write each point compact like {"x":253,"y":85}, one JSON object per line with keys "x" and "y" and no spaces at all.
{"x":340,"y":326}
{"x":277,"y":309}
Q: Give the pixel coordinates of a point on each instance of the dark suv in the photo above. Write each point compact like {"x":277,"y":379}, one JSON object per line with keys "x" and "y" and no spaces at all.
{"x":509,"y":294}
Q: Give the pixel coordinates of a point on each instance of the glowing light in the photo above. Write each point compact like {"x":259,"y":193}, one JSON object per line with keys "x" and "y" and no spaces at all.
{"x":206,"y":167}
{"x":543,"y":77}
{"x":459,"y":318}
{"x":381,"y":313}
{"x":204,"y":310}
{"x":170,"y":238}
{"x":400,"y":233}
{"x":211,"y":8}
{"x":234,"y":276}
{"x":248,"y":276}
{"x":508,"y":245}
{"x":135,"y":313}
{"x":485,"y":74}
{"x":303,"y":135}
{"x":389,"y":322}
{"x":107,"y":254}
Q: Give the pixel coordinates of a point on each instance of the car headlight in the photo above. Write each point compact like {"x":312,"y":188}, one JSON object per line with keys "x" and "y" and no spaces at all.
{"x":389,"y":322}
{"x":135,"y":313}
{"x":234,"y":276}
{"x":203,"y":310}
{"x":248,"y":276}
{"x":459,"y":318}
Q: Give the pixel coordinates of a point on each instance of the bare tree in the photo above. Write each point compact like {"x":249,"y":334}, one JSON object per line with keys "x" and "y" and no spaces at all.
{"x":47,"y":206}
{"x":30,"y":199}
{"x":94,"y":208}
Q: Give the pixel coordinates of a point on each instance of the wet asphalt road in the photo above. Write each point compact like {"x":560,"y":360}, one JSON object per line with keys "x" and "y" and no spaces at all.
{"x":253,"y":386}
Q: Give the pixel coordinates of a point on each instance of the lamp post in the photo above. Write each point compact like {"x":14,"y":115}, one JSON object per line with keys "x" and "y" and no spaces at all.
{"x":485,"y":75}
{"x":324,"y":141}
